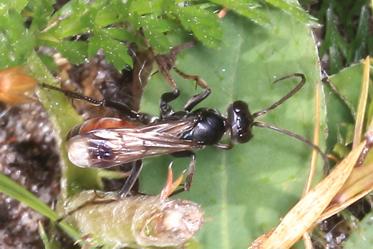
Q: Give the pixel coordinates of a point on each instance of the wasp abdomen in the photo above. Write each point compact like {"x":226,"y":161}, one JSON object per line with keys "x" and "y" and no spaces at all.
{"x":100,"y":123}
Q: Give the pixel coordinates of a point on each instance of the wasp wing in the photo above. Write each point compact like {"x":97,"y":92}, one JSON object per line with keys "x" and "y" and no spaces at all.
{"x":104,"y":148}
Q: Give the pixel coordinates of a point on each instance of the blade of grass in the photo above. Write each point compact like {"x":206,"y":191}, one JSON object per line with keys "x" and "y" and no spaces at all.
{"x":316,"y":138}
{"x":48,"y":244}
{"x":16,"y":191}
{"x":359,"y":182}
{"x":306,"y":212}
{"x":362,"y":103}
{"x":316,"y":202}
{"x":313,"y":165}
{"x":363,"y":188}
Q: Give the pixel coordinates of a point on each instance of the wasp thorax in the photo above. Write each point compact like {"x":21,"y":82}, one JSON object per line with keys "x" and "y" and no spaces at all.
{"x":170,"y":224}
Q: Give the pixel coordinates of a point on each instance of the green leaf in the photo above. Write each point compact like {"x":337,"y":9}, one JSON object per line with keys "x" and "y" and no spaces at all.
{"x":142,"y":7}
{"x":17,"y":5}
{"x":362,"y":236}
{"x":245,"y":191}
{"x":118,"y":34}
{"x":342,"y":104}
{"x":203,"y":23}
{"x":154,"y":29}
{"x":75,"y":52}
{"x":333,"y":43}
{"x":76,"y":17}
{"x":348,"y":84}
{"x":345,"y":42}
{"x":16,"y":42}
{"x":294,"y":9}
{"x":339,"y":120}
{"x":250,"y":9}
{"x":115,"y":51}
{"x":360,"y":44}
{"x":110,"y":13}
{"x":75,"y":25}
{"x":41,"y":11}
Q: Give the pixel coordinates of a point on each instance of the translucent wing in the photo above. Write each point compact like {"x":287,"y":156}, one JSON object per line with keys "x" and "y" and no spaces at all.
{"x":104,"y":148}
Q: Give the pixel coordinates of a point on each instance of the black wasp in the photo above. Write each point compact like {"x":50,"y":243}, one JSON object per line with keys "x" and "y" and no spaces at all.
{"x":108,"y":142}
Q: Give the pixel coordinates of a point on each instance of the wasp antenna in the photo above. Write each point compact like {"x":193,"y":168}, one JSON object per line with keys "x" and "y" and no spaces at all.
{"x":74,"y":95}
{"x":287,"y":96}
{"x":296,"y":136}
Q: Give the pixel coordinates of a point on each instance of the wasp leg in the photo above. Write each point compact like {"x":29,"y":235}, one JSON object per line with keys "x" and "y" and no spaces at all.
{"x":227,"y":146}
{"x":166,"y":109}
{"x":166,"y":98}
{"x":199,"y":81}
{"x":166,"y":61}
{"x":171,"y":185}
{"x":123,"y":108}
{"x":130,"y":181}
{"x":128,"y":112}
{"x":196,"y":99}
{"x":190,"y":172}
{"x":191,"y":168}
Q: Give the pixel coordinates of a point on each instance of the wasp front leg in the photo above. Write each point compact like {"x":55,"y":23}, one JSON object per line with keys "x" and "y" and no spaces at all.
{"x":196,"y":99}
{"x":166,"y":98}
{"x":199,"y":81}
{"x":166,"y":109}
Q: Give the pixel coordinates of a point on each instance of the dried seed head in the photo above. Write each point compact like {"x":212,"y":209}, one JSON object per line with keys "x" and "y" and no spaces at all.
{"x":168,"y":223}
{"x":135,"y":221}
{"x":15,"y":86}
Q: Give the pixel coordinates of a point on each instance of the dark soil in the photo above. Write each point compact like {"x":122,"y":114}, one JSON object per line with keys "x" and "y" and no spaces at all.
{"x":29,"y":156}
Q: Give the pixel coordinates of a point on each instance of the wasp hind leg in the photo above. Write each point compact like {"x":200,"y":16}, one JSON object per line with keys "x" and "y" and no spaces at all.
{"x":191,"y":168}
{"x":131,"y":180}
{"x":190,"y":172}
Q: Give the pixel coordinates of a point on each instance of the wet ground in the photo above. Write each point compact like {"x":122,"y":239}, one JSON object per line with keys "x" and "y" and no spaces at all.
{"x":28,"y":155}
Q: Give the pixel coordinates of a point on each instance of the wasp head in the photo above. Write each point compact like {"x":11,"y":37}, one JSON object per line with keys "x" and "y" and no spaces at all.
{"x":240,"y":121}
